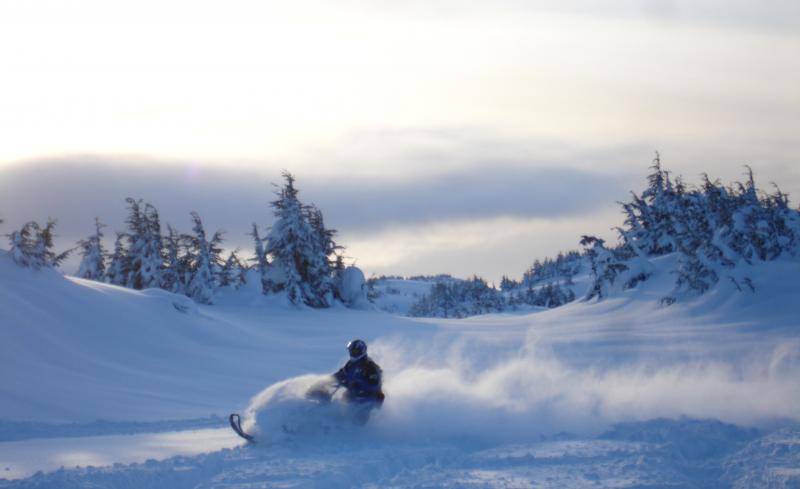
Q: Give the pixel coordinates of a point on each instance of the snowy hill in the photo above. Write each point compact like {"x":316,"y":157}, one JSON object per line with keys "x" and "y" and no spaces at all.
{"x":396,"y":295}
{"x":78,"y":350}
{"x":619,"y":393}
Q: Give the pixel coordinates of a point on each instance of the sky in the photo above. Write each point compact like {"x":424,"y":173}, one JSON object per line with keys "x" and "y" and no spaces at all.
{"x":447,"y":136}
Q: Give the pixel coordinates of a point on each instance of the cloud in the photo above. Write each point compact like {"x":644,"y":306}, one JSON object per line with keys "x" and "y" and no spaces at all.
{"x":76,"y":189}
{"x":480,"y":192}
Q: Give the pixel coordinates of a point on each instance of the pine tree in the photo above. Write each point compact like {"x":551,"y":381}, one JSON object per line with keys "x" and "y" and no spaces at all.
{"x":233,"y":272}
{"x":294,"y":248}
{"x":324,"y":258}
{"x":260,"y":260}
{"x":205,"y":262}
{"x":93,"y":266}
{"x":145,"y":248}
{"x":32,"y":246}
{"x":173,"y":276}
{"x":507,"y":285}
{"x":22,"y":244}
{"x":606,"y":267}
{"x":338,"y":277}
{"x":119,"y":265}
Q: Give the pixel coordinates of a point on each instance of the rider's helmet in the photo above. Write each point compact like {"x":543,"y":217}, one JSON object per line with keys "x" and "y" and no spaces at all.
{"x":357,"y":349}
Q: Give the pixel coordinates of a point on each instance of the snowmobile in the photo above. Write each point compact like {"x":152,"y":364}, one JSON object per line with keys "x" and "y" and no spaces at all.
{"x":318,"y":395}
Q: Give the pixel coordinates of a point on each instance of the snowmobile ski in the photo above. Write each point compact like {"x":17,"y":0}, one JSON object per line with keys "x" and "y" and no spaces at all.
{"x":236,"y":424}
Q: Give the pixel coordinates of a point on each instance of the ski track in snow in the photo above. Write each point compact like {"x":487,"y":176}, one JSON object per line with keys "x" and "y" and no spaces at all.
{"x":600,"y":395}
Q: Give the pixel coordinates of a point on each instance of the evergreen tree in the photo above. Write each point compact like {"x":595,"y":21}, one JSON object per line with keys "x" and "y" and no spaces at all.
{"x":145,"y":248}
{"x":458,"y":299}
{"x":338,"y":278}
{"x":233,"y":272}
{"x":205,"y":269}
{"x":176,"y":263}
{"x":507,"y":285}
{"x":119,"y":265}
{"x":293,"y":246}
{"x":649,"y":216}
{"x":32,"y":246}
{"x":606,"y":267}
{"x":93,"y":266}
{"x":22,"y":244}
{"x":324,"y":258}
{"x":260,"y":260}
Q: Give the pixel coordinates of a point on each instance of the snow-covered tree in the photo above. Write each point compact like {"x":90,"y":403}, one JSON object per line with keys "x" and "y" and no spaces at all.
{"x":649,"y":217}
{"x":144,"y":248}
{"x":325,"y":258}
{"x":294,"y":246}
{"x":714,"y":230}
{"x":564,"y":267}
{"x":205,"y":253}
{"x":507,"y":284}
{"x":93,"y":256}
{"x":119,"y":265}
{"x":260,"y":261}
{"x":606,"y":267}
{"x":177,"y":262}
{"x":32,"y":246}
{"x":458,"y":299}
{"x":233,"y":273}
{"x":549,"y":295}
{"x":22,"y":244}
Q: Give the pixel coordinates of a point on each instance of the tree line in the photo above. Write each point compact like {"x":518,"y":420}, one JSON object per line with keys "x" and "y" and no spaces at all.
{"x":715,"y":231}
{"x":297,"y":255}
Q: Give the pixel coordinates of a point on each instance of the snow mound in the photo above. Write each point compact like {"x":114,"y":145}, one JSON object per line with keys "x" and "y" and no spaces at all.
{"x":352,"y":288}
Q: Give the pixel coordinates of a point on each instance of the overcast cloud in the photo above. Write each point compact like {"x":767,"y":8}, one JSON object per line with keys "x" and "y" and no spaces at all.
{"x":364,"y":207}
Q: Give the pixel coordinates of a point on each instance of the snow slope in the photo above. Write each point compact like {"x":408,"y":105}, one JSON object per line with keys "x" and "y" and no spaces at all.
{"x":614,"y":394}
{"x":76,"y":350}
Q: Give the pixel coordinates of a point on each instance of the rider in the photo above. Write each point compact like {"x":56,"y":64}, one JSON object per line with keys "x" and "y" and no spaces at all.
{"x":362,"y":378}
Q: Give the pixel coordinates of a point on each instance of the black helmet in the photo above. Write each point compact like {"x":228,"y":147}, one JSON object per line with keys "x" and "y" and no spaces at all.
{"x":357,"y":349}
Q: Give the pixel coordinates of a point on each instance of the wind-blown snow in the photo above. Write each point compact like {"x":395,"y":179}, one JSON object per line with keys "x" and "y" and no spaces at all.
{"x":469,"y":391}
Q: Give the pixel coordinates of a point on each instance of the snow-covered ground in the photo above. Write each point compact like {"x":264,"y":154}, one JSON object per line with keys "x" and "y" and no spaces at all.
{"x":621,"y":393}
{"x":396,"y":296}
